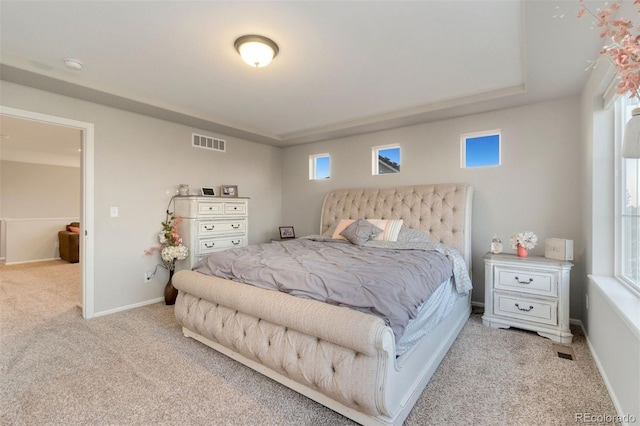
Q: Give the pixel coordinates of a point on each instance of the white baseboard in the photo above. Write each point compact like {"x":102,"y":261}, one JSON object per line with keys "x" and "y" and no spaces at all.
{"x":126,"y":308}
{"x":32,"y":261}
{"x":477,"y":304}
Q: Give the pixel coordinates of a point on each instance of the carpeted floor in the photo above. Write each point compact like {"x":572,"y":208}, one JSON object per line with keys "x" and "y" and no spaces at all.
{"x":136,"y":368}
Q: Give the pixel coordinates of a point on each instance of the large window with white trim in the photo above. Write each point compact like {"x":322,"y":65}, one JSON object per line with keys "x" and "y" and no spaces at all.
{"x":628,"y":203}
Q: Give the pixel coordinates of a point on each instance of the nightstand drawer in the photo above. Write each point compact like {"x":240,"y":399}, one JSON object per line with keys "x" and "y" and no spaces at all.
{"x":207,"y":228}
{"x":526,"y":281}
{"x":530,"y":309}
{"x":214,"y":244}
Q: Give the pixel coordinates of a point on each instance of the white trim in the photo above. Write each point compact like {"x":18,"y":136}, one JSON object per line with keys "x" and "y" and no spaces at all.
{"x":621,"y":299}
{"x":32,"y":261}
{"x":39,"y":219}
{"x":128,"y":307}
{"x":87,"y":214}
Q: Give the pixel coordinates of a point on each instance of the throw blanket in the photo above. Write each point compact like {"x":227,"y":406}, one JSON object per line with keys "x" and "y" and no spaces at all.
{"x":389,"y":280}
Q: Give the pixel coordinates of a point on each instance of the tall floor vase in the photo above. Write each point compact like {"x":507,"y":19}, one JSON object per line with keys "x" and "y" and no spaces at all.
{"x":170,"y":292}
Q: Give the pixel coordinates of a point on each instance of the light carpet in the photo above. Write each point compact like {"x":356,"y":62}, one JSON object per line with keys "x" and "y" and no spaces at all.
{"x":136,"y":368}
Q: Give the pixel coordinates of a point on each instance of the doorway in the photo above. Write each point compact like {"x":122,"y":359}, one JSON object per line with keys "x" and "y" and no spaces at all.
{"x":87,"y":200}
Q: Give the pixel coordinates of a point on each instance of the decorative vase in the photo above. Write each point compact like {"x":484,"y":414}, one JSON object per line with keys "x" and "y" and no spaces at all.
{"x":170,"y":292}
{"x":522,"y":252}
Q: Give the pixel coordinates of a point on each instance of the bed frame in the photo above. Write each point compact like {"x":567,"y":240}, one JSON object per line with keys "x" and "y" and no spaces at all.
{"x":339,"y":357}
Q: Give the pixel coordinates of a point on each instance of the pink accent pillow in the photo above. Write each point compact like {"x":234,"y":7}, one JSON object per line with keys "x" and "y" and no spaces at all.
{"x":342,"y":225}
{"x":74,"y":229}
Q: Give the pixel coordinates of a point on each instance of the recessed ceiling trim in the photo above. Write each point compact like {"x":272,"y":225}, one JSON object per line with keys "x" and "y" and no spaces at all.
{"x":403,"y":118}
{"x":65,"y":88}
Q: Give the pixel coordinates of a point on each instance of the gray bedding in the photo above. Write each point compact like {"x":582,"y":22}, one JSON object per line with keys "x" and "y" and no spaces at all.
{"x":390,"y":282}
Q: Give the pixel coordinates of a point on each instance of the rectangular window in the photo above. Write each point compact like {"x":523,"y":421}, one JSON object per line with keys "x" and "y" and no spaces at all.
{"x":628,"y":246}
{"x":319,"y":166}
{"x":385,"y":159}
{"x":480,"y":149}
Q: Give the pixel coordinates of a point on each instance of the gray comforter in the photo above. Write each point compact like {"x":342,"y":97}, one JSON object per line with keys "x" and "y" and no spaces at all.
{"x":389,"y":281}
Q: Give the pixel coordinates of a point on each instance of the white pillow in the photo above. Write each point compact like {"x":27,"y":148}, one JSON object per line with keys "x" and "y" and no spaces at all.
{"x":390,"y":229}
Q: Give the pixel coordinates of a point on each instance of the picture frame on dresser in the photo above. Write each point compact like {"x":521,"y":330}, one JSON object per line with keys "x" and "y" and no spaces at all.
{"x":229,"y":191}
{"x":207,"y":192}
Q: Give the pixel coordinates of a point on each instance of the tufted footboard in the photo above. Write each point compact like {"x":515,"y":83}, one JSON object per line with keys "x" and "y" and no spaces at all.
{"x":337,"y":352}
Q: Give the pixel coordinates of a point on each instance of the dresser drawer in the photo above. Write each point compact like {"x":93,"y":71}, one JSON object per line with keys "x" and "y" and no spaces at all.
{"x":207,"y":228}
{"x":205,"y":208}
{"x":524,"y":308}
{"x":208,"y":245}
{"x":526,"y":281}
{"x":235,"y":208}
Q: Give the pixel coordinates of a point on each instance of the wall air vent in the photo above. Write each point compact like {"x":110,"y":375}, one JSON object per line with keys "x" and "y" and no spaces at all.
{"x":206,"y":142}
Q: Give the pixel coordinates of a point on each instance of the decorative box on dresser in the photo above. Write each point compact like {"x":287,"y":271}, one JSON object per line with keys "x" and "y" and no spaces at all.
{"x":531,"y":293}
{"x":211,"y":224}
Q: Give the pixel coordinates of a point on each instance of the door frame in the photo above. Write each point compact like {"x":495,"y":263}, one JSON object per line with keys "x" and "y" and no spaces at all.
{"x":87,"y":208}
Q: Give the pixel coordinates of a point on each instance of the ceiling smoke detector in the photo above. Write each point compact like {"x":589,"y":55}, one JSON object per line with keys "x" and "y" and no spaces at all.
{"x":73,"y":64}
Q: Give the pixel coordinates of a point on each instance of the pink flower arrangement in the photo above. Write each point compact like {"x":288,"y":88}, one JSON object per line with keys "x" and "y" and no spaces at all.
{"x":624,"y":50}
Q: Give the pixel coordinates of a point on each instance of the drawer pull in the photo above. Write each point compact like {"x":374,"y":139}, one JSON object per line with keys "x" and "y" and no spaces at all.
{"x":235,"y":243}
{"x":524,"y":309}
{"x":235,"y":226}
{"x":209,"y":246}
{"x":524,"y":282}
{"x":207,"y":228}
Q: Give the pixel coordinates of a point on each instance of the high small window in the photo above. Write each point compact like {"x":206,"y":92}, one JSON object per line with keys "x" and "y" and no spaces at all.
{"x":385,"y":159}
{"x":319,"y":166}
{"x":480,"y":149}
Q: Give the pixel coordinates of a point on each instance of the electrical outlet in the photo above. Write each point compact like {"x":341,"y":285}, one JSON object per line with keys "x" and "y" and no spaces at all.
{"x":147,"y":277}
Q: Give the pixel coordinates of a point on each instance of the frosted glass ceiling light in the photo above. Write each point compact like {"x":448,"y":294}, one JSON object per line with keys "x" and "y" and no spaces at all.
{"x":255,"y":50}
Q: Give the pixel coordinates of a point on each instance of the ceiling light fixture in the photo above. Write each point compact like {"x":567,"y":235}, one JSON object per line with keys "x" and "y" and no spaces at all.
{"x":255,"y":50}
{"x":73,"y":64}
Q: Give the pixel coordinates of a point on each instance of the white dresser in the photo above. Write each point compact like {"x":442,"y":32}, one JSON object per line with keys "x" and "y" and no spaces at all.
{"x":211,"y":224}
{"x":531,"y":293}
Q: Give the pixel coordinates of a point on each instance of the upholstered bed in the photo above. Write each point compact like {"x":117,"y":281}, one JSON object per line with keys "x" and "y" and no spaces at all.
{"x":339,"y":357}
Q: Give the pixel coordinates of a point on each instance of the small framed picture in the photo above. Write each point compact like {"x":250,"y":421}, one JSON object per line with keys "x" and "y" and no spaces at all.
{"x":229,"y":190}
{"x":208,"y":192}
{"x":287,"y":232}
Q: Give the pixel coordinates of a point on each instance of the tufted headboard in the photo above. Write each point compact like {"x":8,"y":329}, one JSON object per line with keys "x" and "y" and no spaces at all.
{"x":441,"y":210}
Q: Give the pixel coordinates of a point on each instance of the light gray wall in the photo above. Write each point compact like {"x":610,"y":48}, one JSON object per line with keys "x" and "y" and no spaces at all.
{"x":29,"y":190}
{"x":139,"y":161}
{"x":537,"y":187}
{"x":38,"y":190}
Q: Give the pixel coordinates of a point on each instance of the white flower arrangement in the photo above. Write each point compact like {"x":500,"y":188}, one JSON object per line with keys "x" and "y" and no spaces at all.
{"x":526,"y":239}
{"x":171,"y":248}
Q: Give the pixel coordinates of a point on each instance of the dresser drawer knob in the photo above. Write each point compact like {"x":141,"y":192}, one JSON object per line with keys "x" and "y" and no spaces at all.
{"x":524,"y":282}
{"x":209,"y":228}
{"x":235,"y":243}
{"x":524,"y":309}
{"x":235,"y":226}
{"x":209,"y":246}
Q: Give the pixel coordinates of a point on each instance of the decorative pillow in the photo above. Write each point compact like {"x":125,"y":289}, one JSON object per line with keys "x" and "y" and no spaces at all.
{"x":74,"y":229}
{"x":342,"y":225}
{"x":390,"y":229}
{"x":360,"y":231}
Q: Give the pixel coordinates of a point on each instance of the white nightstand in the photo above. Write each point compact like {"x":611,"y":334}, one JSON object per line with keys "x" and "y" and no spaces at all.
{"x":528,"y":292}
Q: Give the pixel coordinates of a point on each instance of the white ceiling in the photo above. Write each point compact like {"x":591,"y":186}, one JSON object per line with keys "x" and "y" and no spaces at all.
{"x":344,"y":67}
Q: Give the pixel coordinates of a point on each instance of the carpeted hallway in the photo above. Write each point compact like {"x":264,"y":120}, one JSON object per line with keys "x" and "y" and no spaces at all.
{"x":136,"y":368}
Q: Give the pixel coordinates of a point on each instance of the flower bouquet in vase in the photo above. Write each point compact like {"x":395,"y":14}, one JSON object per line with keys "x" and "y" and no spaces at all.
{"x":171,"y":250}
{"x":522,"y":242}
